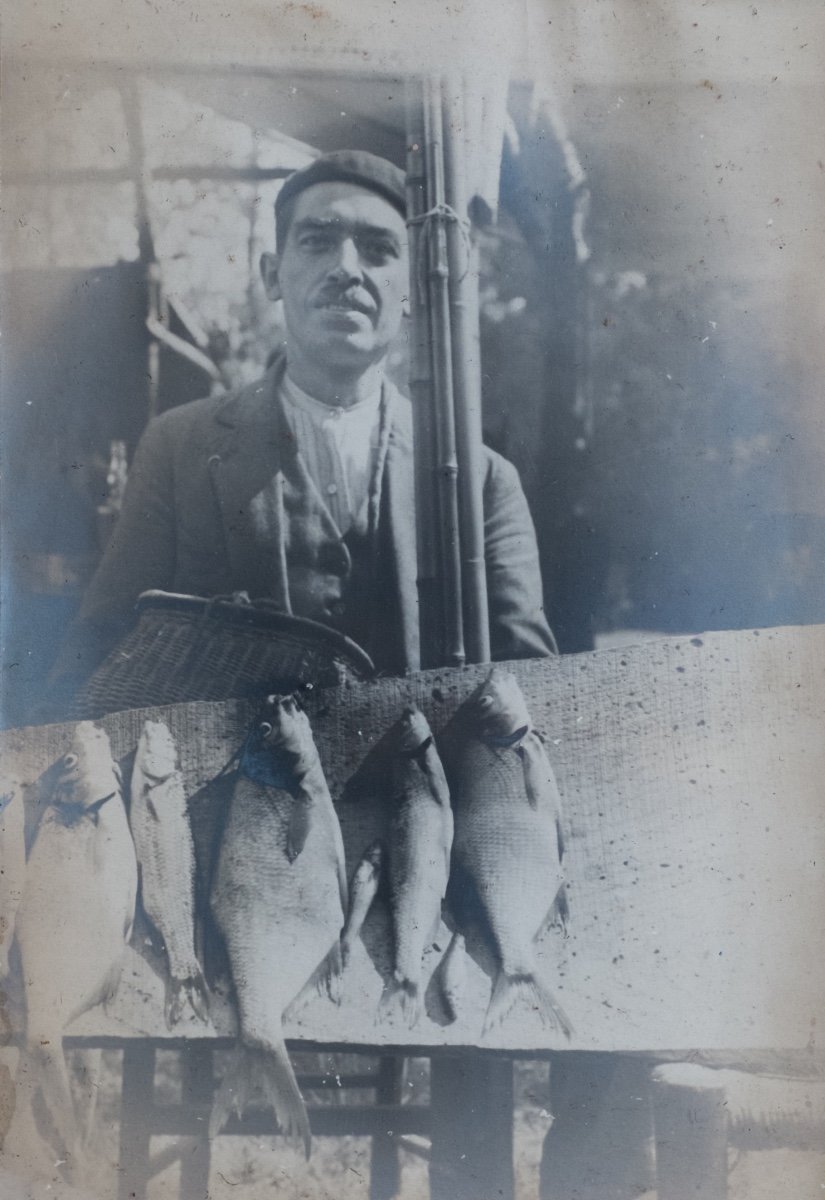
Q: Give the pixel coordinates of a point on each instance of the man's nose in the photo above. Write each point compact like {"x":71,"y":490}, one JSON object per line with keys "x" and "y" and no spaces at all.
{"x":347,"y":265}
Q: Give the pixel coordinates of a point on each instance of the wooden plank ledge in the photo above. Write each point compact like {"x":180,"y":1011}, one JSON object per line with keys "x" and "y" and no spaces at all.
{"x":691,"y":770}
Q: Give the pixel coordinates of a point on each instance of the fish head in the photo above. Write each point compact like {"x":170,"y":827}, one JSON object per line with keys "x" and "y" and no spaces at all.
{"x":156,"y":753}
{"x":284,"y":729}
{"x":498,"y":707}
{"x":413,"y":731}
{"x":86,"y":775}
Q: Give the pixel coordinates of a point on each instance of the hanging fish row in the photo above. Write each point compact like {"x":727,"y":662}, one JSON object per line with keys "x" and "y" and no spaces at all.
{"x":482,"y":830}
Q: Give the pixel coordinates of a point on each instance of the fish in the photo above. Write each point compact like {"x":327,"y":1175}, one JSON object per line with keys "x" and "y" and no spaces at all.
{"x":166,"y":860}
{"x":12,"y":854}
{"x":363,"y":887}
{"x":75,"y":918}
{"x":419,"y":843}
{"x":279,"y":897}
{"x":508,"y":846}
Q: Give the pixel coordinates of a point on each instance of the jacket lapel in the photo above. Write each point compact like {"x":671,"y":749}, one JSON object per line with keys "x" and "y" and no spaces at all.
{"x":245,"y":470}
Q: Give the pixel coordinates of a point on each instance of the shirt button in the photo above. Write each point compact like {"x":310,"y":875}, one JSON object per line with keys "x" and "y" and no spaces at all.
{"x":332,"y":489}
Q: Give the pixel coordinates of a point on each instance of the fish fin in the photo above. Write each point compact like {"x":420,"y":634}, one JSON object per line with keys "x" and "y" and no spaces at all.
{"x":111,"y":987}
{"x":151,"y":807}
{"x":403,"y":994}
{"x":562,"y":909}
{"x":300,"y":823}
{"x":508,"y":989}
{"x":558,"y":914}
{"x":539,"y":780}
{"x":190,"y":992}
{"x":270,"y":1071}
{"x":325,"y":980}
{"x":560,"y":837}
{"x":450,"y":979}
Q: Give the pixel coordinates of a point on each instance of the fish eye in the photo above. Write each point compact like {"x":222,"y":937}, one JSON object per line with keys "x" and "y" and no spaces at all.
{"x":485,"y":702}
{"x":70,"y":761}
{"x":264,"y":729}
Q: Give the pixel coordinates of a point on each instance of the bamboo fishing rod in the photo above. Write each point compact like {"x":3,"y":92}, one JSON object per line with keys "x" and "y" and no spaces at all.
{"x":421,"y":389}
{"x":466,"y":359}
{"x":435,"y":239}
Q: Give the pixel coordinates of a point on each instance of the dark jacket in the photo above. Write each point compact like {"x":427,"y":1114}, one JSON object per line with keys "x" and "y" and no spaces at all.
{"x":219,"y":500}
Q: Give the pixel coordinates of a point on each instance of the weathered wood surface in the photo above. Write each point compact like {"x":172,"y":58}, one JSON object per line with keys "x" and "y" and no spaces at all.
{"x":693,"y":773}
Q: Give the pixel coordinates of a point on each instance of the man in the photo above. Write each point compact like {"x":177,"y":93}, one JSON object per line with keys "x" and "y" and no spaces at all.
{"x":299,"y":488}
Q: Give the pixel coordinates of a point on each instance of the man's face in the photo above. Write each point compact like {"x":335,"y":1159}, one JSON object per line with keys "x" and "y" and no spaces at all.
{"x":342,"y":275}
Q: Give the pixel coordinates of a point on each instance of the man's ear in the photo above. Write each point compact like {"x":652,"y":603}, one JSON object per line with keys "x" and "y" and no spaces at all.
{"x":269,"y":274}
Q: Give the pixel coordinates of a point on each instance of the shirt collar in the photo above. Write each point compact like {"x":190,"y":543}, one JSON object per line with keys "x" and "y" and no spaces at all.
{"x":318,"y":411}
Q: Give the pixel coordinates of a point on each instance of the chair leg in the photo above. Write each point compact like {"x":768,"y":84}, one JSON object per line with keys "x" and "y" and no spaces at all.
{"x":137,"y":1099}
{"x":385,"y":1168}
{"x":471,"y":1102}
{"x":196,"y":1092}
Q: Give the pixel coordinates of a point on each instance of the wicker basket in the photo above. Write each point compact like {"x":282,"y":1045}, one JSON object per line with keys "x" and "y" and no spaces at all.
{"x":187,"y":648}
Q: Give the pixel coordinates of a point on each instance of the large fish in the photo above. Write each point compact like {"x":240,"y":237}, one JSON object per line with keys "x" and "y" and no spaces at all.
{"x":279,"y":897}
{"x":75,"y":917}
{"x":166,"y":858}
{"x":419,"y":842}
{"x":508,"y":843}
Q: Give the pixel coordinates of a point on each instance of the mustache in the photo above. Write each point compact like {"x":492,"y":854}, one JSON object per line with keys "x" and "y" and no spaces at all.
{"x":359,"y":298}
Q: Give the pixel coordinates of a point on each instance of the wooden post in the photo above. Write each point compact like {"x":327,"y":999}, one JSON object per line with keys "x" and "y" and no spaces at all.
{"x":471,"y":1104}
{"x":598,"y":1145}
{"x":691,"y":1129}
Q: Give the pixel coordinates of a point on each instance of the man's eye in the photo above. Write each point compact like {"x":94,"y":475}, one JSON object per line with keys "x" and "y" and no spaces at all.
{"x":378,"y":249}
{"x":315,"y":241}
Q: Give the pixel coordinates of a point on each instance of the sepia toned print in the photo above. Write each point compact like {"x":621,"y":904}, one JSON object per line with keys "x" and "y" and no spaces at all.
{"x":413,"y":549}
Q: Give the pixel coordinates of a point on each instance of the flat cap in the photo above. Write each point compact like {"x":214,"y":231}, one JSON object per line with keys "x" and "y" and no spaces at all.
{"x":348,"y":166}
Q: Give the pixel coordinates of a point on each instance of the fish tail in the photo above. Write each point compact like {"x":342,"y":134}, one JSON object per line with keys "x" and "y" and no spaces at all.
{"x":404,"y":994}
{"x":325,"y":980}
{"x":44,"y":1065}
{"x":509,"y":988}
{"x":269,"y":1071}
{"x":186,"y":993}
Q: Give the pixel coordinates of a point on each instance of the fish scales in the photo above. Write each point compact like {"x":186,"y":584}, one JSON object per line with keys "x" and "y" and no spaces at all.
{"x":166,"y":855}
{"x":509,"y":848}
{"x":420,"y":838}
{"x":279,"y":903}
{"x":75,"y":918}
{"x":508,"y":837}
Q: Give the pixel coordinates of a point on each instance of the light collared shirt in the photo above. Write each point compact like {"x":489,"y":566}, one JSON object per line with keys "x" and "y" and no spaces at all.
{"x":339,"y":446}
